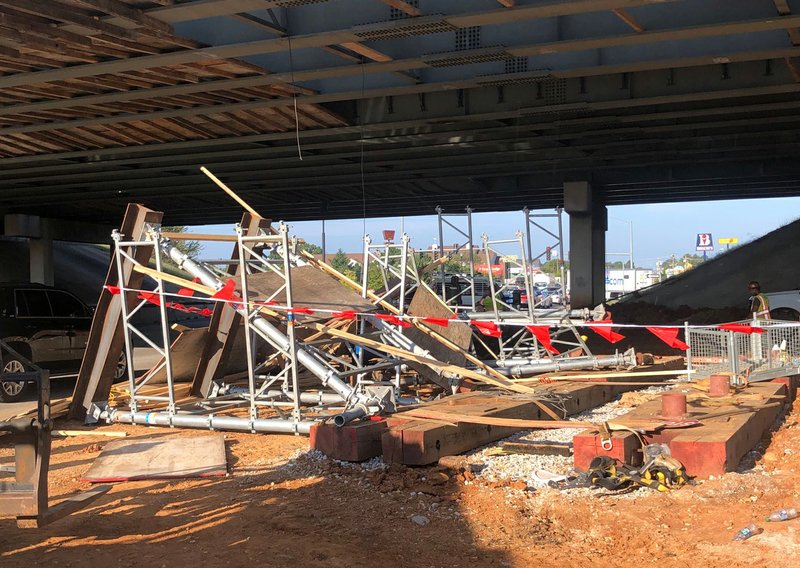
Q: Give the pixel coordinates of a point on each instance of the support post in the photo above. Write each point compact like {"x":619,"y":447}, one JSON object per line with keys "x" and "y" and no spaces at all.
{"x":225,"y":322}
{"x":106,"y":337}
{"x":587,"y":227}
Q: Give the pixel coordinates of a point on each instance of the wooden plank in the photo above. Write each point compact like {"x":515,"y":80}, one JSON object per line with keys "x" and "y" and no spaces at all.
{"x":403,"y":354}
{"x":101,"y":433}
{"x":537,"y":448}
{"x":415,"y":442}
{"x":225,"y":324}
{"x":493,"y":421}
{"x":403,"y":7}
{"x":106,"y":340}
{"x":368,"y":52}
{"x":199,"y":237}
{"x":163,"y":458}
{"x":599,"y":375}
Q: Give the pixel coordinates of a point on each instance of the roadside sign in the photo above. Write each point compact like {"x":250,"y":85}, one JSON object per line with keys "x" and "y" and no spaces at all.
{"x":704,"y":242}
{"x":728,"y":240}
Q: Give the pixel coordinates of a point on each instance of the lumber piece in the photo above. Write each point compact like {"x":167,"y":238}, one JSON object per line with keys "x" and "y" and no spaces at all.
{"x":538,"y":448}
{"x":520,"y":424}
{"x":225,"y":325}
{"x":415,"y":441}
{"x":101,"y":433}
{"x":377,"y":345}
{"x":106,"y":338}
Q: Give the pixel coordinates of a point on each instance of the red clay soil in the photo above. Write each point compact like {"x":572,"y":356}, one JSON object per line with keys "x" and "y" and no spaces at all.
{"x":312,"y":512}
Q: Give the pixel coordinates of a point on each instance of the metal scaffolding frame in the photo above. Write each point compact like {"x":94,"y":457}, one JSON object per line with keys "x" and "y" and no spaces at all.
{"x":533,"y":225}
{"x":451,"y":220}
{"x":266,"y":387}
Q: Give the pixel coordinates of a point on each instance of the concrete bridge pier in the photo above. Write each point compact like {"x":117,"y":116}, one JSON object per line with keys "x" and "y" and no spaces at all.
{"x":588,"y":222}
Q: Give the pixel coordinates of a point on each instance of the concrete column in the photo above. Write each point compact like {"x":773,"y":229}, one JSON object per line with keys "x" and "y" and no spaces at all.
{"x":588,"y":221}
{"x":41,"y":261}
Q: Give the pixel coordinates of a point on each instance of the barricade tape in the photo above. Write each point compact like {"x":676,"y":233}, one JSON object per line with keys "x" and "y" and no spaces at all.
{"x":667,"y":333}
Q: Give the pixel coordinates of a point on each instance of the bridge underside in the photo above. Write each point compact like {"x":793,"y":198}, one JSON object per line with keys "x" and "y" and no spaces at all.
{"x":395,"y":106}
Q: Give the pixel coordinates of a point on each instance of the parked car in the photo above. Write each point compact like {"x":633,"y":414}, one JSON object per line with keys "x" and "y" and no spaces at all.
{"x":555,"y":294}
{"x":46,"y":325}
{"x":784,"y":305}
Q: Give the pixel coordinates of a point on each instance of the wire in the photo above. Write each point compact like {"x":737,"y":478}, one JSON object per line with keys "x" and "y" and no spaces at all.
{"x":294,"y":93}
{"x":361,"y":144}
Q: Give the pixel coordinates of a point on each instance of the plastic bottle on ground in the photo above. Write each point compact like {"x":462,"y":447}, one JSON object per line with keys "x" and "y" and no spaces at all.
{"x":783,"y":515}
{"x":747,"y":532}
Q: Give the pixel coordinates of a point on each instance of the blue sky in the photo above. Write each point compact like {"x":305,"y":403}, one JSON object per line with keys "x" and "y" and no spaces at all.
{"x":659,"y":230}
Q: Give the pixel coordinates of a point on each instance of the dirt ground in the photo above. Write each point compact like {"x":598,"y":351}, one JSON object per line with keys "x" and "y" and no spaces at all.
{"x":274,"y":510}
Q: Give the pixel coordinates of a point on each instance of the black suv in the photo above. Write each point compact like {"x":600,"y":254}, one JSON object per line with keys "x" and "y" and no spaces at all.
{"x":48,"y":326}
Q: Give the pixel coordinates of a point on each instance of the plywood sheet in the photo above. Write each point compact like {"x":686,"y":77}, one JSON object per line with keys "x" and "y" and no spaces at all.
{"x":425,"y":304}
{"x":160,"y":458}
{"x":311,"y":288}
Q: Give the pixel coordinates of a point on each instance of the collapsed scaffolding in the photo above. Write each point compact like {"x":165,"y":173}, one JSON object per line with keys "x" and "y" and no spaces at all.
{"x":318,"y":346}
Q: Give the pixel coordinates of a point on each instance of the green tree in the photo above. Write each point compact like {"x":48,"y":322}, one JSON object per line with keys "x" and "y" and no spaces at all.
{"x":190,"y":248}
{"x":554,"y":267}
{"x":341,"y":263}
{"x":311,"y":248}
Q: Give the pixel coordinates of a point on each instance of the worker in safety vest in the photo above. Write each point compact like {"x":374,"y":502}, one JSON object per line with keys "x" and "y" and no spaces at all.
{"x":759,"y":305}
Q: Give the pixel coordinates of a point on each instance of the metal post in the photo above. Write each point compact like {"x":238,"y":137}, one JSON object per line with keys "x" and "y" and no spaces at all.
{"x":244,"y":257}
{"x":117,"y":237}
{"x":324,"y":248}
{"x":471,"y":258}
{"x":687,"y":334}
{"x":290,"y":319}
{"x":442,"y":271}
{"x":630,"y":242}
{"x":562,"y":272}
{"x":365,"y":266}
{"x":162,"y":310}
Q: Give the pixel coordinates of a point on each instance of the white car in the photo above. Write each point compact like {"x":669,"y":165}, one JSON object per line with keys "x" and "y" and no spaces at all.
{"x":784,"y":305}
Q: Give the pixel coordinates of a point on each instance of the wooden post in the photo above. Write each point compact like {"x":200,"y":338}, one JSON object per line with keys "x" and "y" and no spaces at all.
{"x":106,"y":339}
{"x":225,"y":323}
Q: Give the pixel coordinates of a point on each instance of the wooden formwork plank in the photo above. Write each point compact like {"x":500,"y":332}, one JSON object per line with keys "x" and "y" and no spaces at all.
{"x":224,"y":325}
{"x":106,"y":338}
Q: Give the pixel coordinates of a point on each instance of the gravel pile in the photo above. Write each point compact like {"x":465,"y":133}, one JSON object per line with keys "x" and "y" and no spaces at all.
{"x":493,"y":467}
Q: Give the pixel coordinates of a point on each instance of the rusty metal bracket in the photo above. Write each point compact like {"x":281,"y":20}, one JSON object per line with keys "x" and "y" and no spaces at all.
{"x":26,"y":497}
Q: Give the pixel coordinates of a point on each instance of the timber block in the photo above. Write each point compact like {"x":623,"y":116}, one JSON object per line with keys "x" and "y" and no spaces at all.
{"x":418,"y":442}
{"x":792,"y":383}
{"x":625,"y":448}
{"x":353,"y":442}
{"x":725,"y":434}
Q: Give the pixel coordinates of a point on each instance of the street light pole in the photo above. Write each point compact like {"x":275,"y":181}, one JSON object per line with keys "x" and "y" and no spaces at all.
{"x":630,"y":242}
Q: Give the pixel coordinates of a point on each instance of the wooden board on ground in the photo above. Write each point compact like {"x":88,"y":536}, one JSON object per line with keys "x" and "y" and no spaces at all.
{"x":425,"y":304}
{"x":311,"y":288}
{"x":160,"y":458}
